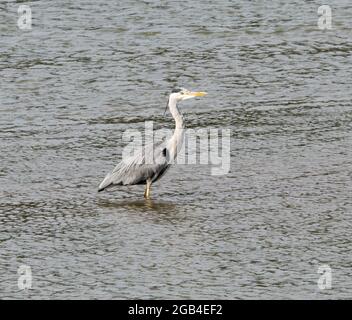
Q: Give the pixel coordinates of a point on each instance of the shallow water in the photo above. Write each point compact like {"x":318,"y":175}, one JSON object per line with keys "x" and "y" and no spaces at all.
{"x":88,"y":71}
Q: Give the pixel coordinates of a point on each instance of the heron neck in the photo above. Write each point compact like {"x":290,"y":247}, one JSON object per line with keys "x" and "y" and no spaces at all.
{"x":176,"y":114}
{"x":175,"y":143}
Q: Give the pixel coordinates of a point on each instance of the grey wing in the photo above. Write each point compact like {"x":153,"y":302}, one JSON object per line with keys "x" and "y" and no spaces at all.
{"x":136,"y":170}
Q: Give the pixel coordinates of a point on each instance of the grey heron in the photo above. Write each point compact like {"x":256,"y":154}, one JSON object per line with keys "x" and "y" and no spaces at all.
{"x":135,"y":170}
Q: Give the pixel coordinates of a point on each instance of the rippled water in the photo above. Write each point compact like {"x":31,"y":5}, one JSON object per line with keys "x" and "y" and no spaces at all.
{"x":89,"y":70}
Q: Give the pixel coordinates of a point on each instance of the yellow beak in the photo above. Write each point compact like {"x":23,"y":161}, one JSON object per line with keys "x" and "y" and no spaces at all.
{"x":198,"y":94}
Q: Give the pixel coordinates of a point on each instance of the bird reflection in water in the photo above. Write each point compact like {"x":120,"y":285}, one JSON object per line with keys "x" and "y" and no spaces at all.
{"x":145,"y":205}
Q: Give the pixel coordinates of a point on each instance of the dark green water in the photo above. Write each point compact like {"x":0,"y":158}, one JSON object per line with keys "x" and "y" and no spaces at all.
{"x":89,"y":70}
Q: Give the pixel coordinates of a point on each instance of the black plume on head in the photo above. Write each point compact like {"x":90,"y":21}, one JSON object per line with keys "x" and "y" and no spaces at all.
{"x":167,"y":104}
{"x":177,"y":90}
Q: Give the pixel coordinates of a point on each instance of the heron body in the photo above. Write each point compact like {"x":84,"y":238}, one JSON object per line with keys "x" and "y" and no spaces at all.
{"x":136,"y":170}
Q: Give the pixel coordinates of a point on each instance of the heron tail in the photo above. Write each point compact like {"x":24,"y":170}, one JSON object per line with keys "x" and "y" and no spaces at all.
{"x":101,"y":189}
{"x":105,"y":184}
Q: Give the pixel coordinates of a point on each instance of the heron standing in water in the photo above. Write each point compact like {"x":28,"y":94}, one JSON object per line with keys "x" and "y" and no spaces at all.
{"x":136,"y":170}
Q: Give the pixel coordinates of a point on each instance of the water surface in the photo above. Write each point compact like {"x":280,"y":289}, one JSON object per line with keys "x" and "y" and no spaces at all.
{"x":90,"y":70}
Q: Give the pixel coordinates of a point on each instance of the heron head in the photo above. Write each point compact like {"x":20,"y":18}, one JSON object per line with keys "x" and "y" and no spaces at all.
{"x":184,"y":94}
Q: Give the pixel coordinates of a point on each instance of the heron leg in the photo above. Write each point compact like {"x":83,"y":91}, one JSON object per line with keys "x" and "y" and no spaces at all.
{"x":147,"y":189}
